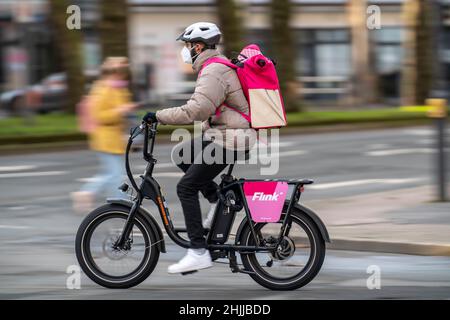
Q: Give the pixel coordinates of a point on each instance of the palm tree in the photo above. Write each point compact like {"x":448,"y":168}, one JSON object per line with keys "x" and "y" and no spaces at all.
{"x":230,"y":25}
{"x":418,"y":47}
{"x":284,"y":52}
{"x":69,"y":43}
{"x":114,"y":28}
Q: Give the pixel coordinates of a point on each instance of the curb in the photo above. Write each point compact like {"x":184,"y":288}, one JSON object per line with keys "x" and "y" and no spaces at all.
{"x":18,"y":149}
{"x":421,"y":249}
{"x":395,"y":247}
{"x":37,"y":139}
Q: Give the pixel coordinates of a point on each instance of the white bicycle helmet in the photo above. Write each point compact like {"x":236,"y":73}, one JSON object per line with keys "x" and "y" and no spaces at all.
{"x":205,"y":32}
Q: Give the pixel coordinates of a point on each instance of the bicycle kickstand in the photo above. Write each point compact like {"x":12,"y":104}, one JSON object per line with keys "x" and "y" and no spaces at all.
{"x":234,"y":265}
{"x":233,"y":262}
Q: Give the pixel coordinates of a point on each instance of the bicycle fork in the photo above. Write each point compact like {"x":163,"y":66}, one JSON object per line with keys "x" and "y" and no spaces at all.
{"x":120,"y":243}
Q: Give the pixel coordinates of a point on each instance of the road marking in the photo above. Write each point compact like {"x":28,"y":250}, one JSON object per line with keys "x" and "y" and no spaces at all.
{"x":426,"y":141}
{"x":163,"y":165}
{"x":419,"y":132}
{"x":280,"y":154}
{"x":157,"y":165}
{"x":90,"y":179}
{"x":378,"y":146}
{"x":269,"y":155}
{"x":162,"y":175}
{"x":351,"y":183}
{"x":283,"y":154}
{"x":13,"y":227}
{"x":273,"y":144}
{"x":32,"y":174}
{"x":168,"y":174}
{"x":16,"y":168}
{"x":393,"y":152}
{"x":17,"y":208}
{"x":118,"y":231}
{"x":96,"y":178}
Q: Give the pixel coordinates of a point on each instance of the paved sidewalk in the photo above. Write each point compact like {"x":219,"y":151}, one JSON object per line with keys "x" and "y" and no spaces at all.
{"x":400,"y":221}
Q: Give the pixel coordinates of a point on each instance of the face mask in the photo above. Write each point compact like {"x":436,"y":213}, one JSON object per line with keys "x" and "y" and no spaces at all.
{"x":186,"y":55}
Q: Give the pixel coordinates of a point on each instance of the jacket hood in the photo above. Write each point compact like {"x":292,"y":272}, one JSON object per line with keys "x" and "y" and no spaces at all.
{"x":203,"y":57}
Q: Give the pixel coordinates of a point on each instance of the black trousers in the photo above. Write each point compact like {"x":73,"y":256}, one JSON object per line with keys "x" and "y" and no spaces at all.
{"x":199,"y":177}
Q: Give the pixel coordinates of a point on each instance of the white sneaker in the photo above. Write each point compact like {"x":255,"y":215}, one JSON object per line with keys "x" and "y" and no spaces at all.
{"x":191,"y":262}
{"x":209,"y":218}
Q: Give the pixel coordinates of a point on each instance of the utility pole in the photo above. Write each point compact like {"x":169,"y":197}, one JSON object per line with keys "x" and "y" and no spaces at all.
{"x":438,"y":111}
{"x":438,"y":108}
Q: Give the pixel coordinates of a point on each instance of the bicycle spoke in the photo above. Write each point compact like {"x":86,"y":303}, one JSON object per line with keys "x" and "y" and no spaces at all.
{"x":291,"y":256}
{"x":116,"y":262}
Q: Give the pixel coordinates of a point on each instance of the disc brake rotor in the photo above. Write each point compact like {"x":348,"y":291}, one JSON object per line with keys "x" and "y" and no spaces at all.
{"x":285,"y":249}
{"x":110,"y":251}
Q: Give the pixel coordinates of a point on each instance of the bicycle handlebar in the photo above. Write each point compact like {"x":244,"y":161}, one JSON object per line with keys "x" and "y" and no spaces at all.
{"x":149,"y":131}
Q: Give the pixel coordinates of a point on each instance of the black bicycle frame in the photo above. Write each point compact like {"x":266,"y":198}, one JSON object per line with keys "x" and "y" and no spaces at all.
{"x":150,"y":189}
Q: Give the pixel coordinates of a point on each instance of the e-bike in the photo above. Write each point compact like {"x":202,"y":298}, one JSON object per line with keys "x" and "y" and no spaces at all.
{"x":281,"y":243}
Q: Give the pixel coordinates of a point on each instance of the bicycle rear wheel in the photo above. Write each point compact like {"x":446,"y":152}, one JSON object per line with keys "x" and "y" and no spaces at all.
{"x":297,"y":259}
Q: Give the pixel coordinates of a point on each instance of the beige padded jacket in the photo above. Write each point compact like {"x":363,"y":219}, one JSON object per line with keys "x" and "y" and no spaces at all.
{"x":215,"y":85}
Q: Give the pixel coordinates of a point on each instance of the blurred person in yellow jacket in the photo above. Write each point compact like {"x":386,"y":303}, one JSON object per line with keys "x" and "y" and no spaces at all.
{"x":109,"y":102}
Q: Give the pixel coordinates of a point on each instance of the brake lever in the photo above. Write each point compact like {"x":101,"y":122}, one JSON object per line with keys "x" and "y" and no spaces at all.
{"x":134,"y":132}
{"x":143,"y":124}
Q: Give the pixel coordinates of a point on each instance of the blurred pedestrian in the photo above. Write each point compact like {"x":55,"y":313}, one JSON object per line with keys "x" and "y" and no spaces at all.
{"x":105,"y":118}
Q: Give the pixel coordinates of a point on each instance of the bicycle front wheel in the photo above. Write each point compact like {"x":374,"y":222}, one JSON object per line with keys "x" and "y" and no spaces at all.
{"x":107,"y":265}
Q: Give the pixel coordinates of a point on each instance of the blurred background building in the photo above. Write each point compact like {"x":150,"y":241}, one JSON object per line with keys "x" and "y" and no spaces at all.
{"x":338,"y":60}
{"x":25,"y":43}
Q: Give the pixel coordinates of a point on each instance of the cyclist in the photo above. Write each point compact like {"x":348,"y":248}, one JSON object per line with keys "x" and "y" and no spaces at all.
{"x":216,"y":84}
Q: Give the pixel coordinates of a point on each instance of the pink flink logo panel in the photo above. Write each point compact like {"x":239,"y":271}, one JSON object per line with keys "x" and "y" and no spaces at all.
{"x":265,"y":199}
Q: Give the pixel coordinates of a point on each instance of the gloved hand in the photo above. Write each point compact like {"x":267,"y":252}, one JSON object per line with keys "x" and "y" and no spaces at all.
{"x":150,"y":117}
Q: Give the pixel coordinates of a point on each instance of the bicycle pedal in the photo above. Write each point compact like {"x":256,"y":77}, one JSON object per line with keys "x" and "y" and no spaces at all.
{"x":188,"y":272}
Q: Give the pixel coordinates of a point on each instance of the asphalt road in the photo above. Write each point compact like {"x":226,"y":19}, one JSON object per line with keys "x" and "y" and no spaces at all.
{"x":37,"y":225}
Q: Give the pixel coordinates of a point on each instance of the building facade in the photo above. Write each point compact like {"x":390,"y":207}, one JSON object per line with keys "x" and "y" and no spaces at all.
{"x":338,"y":59}
{"x":336,"y":53}
{"x":28,"y":49}
{"x":25,"y":43}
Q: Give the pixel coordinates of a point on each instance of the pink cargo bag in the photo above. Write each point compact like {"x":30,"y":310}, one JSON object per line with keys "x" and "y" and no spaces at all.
{"x":265,"y":199}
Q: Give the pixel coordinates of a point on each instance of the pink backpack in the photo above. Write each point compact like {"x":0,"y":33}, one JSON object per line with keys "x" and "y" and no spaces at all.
{"x":259,"y":82}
